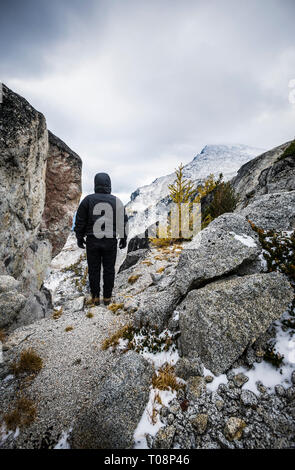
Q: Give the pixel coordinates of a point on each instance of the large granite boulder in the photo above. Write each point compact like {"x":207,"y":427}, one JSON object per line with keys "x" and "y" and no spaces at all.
{"x":23,"y":155}
{"x":63,"y":192}
{"x":40,"y":183}
{"x":226,"y":245}
{"x":40,"y":187}
{"x":268,"y":173}
{"x":274,"y":211}
{"x":219,"y":321}
{"x":117,"y":408}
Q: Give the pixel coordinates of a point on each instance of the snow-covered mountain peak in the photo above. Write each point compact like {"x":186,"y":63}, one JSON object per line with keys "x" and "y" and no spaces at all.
{"x":146,"y":202}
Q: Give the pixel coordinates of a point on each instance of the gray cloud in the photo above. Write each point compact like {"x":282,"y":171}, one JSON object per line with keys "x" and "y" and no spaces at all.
{"x":135,"y":87}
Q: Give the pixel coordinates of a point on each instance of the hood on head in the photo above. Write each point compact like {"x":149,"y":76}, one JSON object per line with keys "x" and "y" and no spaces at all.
{"x":102,"y":183}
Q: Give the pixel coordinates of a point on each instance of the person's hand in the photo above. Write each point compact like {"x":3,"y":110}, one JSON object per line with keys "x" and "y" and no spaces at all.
{"x":122,"y":243}
{"x":81,"y":243}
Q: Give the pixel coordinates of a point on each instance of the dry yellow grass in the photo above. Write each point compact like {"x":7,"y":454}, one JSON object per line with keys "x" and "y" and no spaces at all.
{"x":153,"y":415}
{"x":147,"y":263}
{"x":23,"y":414}
{"x":89,"y":302}
{"x":160,"y":270}
{"x":57,"y":314}
{"x":167,"y":251}
{"x":132,"y":279}
{"x":115,"y":307}
{"x":124,"y":332}
{"x":89,"y":315}
{"x":157,"y":398}
{"x":29,"y":362}
{"x":69,"y":328}
{"x":162,"y":242}
{"x":165,"y":379}
{"x":177,"y":247}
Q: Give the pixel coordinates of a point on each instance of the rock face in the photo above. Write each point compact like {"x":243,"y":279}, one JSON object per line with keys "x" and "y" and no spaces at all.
{"x":227,"y":244}
{"x":265,"y":174}
{"x":11,"y":300}
{"x":219,"y":321}
{"x":23,"y":150}
{"x":274,"y":211}
{"x":36,"y":259}
{"x":117,"y":409}
{"x":40,"y":189}
{"x":63,"y":192}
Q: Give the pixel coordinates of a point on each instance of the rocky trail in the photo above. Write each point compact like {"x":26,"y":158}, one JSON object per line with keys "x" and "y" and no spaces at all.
{"x":249,"y":406}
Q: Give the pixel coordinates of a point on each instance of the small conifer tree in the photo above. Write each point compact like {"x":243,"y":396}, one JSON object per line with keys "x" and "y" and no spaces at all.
{"x":181,"y":192}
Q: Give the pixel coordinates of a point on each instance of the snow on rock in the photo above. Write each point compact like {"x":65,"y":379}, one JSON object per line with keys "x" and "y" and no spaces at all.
{"x":269,"y":375}
{"x":246,"y":240}
{"x":63,"y":440}
{"x":146,"y":426}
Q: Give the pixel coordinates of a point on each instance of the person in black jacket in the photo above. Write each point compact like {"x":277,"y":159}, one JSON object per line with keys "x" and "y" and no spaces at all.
{"x":101,"y":218}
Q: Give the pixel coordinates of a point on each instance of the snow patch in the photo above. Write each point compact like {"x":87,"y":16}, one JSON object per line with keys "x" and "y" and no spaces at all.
{"x":5,"y":434}
{"x":63,"y":441}
{"x":246,"y":240}
{"x":170,"y":357}
{"x":217,"y":380}
{"x":145,"y":425}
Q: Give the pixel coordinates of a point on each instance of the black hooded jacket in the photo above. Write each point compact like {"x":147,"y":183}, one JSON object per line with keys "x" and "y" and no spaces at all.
{"x":101,"y":212}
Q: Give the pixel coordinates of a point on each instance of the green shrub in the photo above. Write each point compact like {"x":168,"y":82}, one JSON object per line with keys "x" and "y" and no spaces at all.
{"x":279,"y":250}
{"x":224,"y":200}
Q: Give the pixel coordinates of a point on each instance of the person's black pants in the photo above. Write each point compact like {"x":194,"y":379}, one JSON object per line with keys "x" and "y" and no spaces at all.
{"x":101,"y":253}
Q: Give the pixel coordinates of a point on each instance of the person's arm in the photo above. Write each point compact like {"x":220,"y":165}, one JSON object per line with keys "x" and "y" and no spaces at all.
{"x":81,"y":222}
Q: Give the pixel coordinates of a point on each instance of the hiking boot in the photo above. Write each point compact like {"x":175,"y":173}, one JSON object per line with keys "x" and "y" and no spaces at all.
{"x":107,"y":300}
{"x":96,"y":300}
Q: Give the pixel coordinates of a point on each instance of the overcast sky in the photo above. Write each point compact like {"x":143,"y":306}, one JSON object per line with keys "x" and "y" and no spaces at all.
{"x":137,"y":86}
